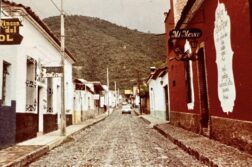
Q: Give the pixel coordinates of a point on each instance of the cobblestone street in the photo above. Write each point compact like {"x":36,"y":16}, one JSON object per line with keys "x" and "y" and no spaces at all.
{"x":119,"y":140}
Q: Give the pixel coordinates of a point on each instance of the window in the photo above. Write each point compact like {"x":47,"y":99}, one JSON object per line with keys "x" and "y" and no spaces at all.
{"x":49,"y":95}
{"x":31,"y":85}
{"x":89,"y":103}
{"x":152,"y":99}
{"x":6,"y":84}
{"x":189,"y":84}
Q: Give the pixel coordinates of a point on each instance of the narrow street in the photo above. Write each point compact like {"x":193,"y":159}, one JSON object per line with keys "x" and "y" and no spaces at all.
{"x":119,"y":140}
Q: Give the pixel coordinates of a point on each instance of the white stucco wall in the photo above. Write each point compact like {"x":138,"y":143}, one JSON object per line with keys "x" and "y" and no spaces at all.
{"x":89,"y":101}
{"x":9,"y":54}
{"x":38,"y":45}
{"x":157,"y":97}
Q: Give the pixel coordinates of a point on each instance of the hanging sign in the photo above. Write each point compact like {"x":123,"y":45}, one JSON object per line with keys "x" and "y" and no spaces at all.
{"x":224,"y":58}
{"x":9,"y":32}
{"x":52,"y":72}
{"x":191,"y":33}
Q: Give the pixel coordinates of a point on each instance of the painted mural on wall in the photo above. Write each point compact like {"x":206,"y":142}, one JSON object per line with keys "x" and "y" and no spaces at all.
{"x":224,"y":58}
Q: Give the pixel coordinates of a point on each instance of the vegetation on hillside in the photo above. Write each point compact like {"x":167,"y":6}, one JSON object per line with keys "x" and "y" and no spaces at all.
{"x":99,"y":44}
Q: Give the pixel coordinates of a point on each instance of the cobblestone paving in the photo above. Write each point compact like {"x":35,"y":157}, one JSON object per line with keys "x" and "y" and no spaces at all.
{"x":119,"y":140}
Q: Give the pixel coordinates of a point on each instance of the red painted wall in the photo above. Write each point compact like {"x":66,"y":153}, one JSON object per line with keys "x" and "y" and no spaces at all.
{"x":177,"y":84}
{"x":241,"y":41}
{"x":242,"y":59}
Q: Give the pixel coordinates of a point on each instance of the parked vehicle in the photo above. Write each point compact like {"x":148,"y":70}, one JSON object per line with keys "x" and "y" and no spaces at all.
{"x":126,"y":109}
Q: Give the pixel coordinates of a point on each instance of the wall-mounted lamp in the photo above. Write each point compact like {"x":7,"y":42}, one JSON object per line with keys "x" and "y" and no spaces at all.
{"x":182,"y":54}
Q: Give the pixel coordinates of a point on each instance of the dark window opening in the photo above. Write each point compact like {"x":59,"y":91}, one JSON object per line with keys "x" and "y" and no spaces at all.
{"x":5,"y":82}
{"x":188,"y":82}
{"x":173,"y":83}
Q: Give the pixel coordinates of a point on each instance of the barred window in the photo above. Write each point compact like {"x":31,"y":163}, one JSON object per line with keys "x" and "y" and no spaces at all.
{"x":49,"y":95}
{"x":31,"y":102}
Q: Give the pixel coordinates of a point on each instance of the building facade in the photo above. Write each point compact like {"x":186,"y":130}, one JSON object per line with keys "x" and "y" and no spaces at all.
{"x":28,"y":97}
{"x":209,"y":75}
{"x":158,"y":94}
{"x":88,"y":99}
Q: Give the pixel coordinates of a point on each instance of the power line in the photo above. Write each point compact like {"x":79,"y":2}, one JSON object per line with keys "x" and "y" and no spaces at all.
{"x":77,"y":37}
{"x":54,"y":4}
{"x":67,"y":19}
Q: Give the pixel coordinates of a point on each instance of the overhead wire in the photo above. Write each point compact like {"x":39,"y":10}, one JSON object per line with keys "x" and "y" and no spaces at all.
{"x":77,"y":37}
{"x":68,"y":20}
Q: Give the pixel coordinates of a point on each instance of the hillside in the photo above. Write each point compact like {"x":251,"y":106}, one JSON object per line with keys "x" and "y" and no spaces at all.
{"x":99,"y":44}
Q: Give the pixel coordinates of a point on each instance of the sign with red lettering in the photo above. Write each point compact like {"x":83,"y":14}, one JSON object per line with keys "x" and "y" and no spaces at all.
{"x":9,"y":31}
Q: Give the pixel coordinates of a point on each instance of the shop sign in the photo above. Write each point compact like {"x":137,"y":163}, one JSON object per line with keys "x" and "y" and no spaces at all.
{"x":9,"y":31}
{"x":52,"y":72}
{"x":128,"y":92}
{"x":224,"y":58}
{"x":96,"y":97}
{"x":192,"y":33}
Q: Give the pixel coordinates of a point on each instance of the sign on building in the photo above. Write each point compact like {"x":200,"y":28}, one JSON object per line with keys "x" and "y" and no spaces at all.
{"x":224,"y":58}
{"x":192,"y":33}
{"x":52,"y":72}
{"x":96,"y":97}
{"x":9,"y":32}
{"x":128,"y":92}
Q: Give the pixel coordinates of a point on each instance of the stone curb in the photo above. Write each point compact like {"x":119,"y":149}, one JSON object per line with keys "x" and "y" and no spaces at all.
{"x":145,"y":120}
{"x":28,"y":158}
{"x":136,"y":112}
{"x":187,"y":149}
{"x":183,"y":146}
{"x":24,"y":160}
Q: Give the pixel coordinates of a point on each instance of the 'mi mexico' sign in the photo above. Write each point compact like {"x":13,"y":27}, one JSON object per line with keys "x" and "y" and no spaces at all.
{"x":9,"y":32}
{"x":191,"y":33}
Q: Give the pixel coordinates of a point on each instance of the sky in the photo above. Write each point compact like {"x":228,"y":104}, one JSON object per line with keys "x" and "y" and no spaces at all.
{"x":143,"y":15}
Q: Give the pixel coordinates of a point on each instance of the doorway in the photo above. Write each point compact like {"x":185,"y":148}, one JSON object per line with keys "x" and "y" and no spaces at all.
{"x":167,"y":103}
{"x":203,"y":89}
{"x":39,"y":110}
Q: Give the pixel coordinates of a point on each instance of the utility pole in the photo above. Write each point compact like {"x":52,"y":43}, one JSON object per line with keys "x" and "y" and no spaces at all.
{"x":108,"y":89}
{"x":115,"y":96}
{"x":81,"y":108}
{"x":0,"y":11}
{"x":118,"y":95}
{"x":62,"y":36}
{"x":138,"y":85}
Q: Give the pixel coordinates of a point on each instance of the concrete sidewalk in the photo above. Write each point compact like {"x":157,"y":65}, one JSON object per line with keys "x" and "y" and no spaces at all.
{"x":210,"y":152}
{"x":27,"y":151}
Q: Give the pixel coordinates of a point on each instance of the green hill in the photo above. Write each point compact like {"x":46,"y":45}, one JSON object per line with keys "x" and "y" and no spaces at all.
{"x":99,"y":44}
